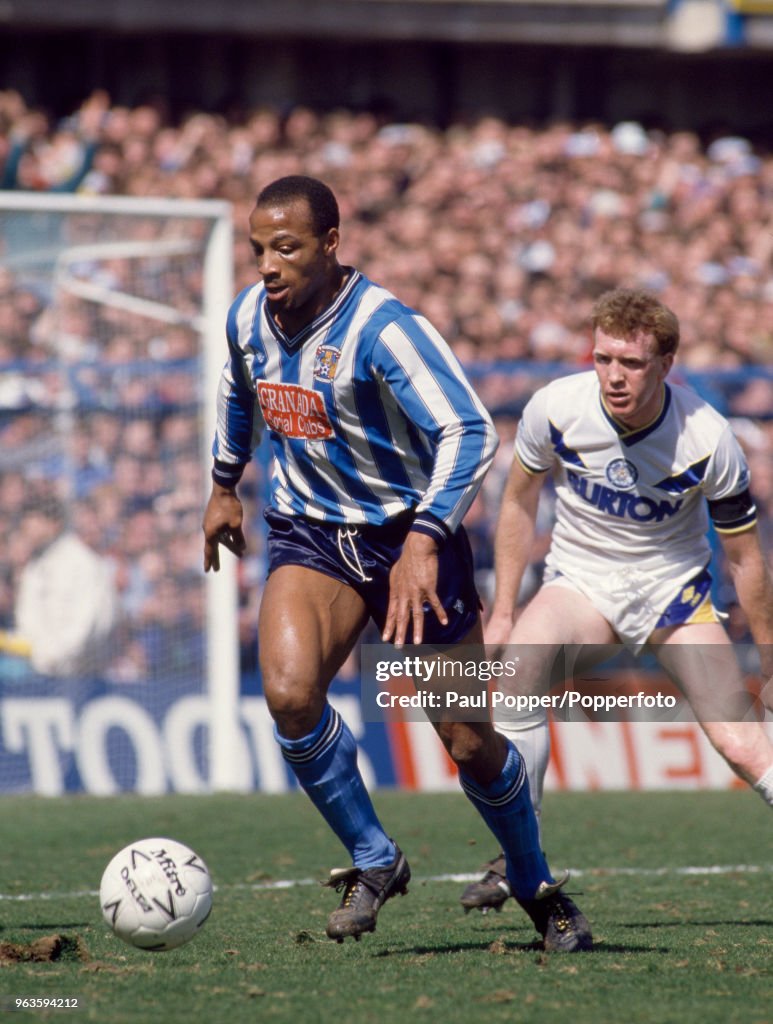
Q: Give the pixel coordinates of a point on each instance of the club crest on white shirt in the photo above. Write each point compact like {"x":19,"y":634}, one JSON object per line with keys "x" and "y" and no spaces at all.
{"x":622,"y":474}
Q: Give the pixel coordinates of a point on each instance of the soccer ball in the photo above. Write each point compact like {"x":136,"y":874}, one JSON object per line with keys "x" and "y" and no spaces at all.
{"x":156,"y":894}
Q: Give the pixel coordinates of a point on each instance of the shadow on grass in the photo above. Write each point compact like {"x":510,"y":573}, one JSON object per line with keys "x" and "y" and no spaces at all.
{"x":688,"y":923}
{"x":46,"y":926}
{"x":505,"y":946}
{"x":459,"y":947}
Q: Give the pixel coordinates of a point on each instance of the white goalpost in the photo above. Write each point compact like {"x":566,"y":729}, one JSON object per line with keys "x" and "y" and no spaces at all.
{"x":111,"y":346}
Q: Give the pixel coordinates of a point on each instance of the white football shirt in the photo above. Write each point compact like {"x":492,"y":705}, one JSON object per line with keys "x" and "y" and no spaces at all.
{"x":633,"y":497}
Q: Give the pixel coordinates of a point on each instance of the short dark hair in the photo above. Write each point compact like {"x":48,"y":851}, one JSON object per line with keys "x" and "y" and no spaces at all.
{"x":624,"y":312}
{"x":322,"y":202}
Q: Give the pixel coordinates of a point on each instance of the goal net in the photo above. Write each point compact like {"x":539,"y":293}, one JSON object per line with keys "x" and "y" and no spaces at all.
{"x":113,"y":640}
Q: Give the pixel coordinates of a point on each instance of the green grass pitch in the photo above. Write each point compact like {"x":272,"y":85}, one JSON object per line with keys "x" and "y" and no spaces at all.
{"x":677,"y":887}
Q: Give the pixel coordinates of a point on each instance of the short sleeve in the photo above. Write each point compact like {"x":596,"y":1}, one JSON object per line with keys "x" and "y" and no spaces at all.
{"x":533,"y":447}
{"x":726,"y":486}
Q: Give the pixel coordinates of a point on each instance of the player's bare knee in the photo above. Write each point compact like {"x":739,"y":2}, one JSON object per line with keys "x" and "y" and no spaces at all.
{"x":737,"y":748}
{"x":738,"y":759}
{"x":462,"y":743}
{"x":295,"y":708}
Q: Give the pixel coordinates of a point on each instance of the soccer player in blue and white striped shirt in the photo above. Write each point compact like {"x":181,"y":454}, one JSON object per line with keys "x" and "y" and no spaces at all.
{"x":379,"y":446}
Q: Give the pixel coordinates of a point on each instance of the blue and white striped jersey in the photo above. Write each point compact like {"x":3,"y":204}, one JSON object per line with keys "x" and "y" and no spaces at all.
{"x":368,"y":411}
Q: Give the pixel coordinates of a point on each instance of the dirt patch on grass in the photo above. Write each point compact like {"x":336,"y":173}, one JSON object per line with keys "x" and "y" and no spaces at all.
{"x":44,"y":950}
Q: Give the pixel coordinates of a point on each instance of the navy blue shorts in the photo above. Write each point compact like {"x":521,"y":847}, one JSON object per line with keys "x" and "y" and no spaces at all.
{"x":362,"y":557}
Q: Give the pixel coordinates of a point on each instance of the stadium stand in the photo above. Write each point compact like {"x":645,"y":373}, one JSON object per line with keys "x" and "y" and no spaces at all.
{"x":683,"y":63}
{"x":502,"y":234}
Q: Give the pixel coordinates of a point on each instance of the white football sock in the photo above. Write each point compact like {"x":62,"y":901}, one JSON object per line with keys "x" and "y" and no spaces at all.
{"x":531,"y":736}
{"x":764,"y":786}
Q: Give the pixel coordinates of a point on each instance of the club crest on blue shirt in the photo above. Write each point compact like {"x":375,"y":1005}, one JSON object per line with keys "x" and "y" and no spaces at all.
{"x":622,"y":474}
{"x":326,"y":362}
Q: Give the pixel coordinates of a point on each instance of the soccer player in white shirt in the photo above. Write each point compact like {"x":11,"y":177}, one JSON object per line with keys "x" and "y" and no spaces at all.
{"x":379,"y":447}
{"x":640,"y":466}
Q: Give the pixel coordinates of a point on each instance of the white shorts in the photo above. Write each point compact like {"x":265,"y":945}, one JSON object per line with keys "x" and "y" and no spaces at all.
{"x":635,"y":603}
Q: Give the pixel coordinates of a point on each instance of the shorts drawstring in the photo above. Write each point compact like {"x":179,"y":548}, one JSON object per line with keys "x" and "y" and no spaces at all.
{"x":352,"y":561}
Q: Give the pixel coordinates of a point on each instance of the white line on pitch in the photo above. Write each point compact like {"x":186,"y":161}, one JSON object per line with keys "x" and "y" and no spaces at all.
{"x":292,"y":883}
{"x":709,"y":869}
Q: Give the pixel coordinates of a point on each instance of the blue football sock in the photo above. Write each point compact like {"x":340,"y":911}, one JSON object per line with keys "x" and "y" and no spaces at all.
{"x":325,"y":764}
{"x":506,"y":807}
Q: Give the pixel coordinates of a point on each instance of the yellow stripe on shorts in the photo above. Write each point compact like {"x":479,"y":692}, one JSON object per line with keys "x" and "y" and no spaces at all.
{"x":705,"y":612}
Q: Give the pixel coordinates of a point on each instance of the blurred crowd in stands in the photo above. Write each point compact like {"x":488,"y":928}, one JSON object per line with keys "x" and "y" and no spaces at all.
{"x":502,"y":235}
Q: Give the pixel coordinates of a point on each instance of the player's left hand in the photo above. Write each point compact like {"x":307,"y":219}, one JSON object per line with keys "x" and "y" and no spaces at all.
{"x":412,"y":584}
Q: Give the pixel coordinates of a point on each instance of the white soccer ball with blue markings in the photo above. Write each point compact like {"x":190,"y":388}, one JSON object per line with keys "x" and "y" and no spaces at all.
{"x":156,"y":894}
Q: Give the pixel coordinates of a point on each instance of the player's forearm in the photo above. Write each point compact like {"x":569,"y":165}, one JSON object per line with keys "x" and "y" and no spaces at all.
{"x":416,"y":367}
{"x":512,"y":548}
{"x":754,"y":588}
{"x":514,"y":538}
{"x":238,"y":426}
{"x":464,"y":454}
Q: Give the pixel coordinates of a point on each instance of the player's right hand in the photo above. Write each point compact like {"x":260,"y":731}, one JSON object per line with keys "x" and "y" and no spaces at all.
{"x":222,"y":525}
